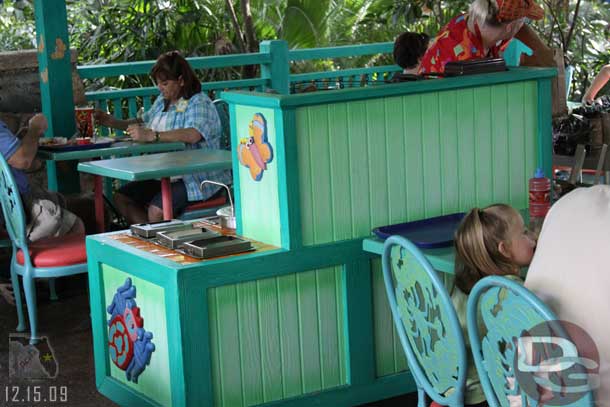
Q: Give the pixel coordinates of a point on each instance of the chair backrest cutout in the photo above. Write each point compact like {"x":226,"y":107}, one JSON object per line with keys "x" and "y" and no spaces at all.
{"x":426,"y":321}
{"x":502,"y":315}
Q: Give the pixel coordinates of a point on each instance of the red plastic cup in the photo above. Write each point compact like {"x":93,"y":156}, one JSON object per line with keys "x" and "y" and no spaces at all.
{"x":84,"y":120}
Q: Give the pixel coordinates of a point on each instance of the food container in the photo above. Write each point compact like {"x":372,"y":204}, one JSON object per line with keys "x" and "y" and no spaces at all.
{"x":227,"y":213}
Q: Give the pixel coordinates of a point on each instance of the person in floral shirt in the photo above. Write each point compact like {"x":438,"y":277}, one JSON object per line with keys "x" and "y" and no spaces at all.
{"x":484,"y":31}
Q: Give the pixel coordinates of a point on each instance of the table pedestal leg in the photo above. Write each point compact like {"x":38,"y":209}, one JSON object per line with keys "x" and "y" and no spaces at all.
{"x":166,"y":197}
{"x":99,"y":203}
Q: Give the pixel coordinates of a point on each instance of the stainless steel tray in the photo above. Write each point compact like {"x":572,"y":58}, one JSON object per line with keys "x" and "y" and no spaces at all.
{"x":174,"y":239}
{"x":217,"y":246}
{"x":150,"y":230}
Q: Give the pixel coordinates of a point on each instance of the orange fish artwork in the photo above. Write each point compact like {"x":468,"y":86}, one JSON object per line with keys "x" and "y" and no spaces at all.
{"x":254,"y":151}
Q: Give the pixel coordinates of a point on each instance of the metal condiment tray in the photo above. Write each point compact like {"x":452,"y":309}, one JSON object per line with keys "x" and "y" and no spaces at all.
{"x":150,"y":230}
{"x":174,"y":239}
{"x":216,"y":246}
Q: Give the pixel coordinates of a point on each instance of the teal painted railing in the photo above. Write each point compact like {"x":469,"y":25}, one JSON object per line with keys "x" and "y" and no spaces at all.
{"x":274,"y":60}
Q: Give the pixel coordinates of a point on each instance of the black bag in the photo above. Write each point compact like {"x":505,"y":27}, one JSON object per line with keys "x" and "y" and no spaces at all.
{"x":475,"y":66}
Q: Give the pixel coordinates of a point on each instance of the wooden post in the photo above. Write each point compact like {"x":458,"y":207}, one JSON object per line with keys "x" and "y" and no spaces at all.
{"x":55,"y":80}
{"x":278,"y":70}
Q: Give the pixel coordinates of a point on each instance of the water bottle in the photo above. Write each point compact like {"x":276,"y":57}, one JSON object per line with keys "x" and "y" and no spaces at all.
{"x":539,"y":200}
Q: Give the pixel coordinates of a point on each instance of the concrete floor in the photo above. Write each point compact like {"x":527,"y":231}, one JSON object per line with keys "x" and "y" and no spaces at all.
{"x":67,"y":326}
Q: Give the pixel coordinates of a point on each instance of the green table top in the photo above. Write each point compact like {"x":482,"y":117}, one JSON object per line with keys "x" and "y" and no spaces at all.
{"x":117,"y":149}
{"x":155,"y":166}
{"x":442,"y":259}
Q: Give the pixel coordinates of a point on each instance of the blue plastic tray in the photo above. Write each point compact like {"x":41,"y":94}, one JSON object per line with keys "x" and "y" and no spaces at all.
{"x":428,"y":233}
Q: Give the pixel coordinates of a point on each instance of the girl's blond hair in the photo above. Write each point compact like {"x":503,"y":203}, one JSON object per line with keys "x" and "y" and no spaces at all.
{"x":477,"y":242}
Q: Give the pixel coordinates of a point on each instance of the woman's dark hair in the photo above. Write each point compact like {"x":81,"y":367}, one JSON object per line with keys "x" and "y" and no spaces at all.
{"x":409,"y":47}
{"x":172,"y":66}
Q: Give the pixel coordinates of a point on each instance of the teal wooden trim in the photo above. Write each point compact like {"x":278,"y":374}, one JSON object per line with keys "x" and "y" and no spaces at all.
{"x":343,"y":73}
{"x":198,"y":389}
{"x":124,"y":395}
{"x":544,"y":140}
{"x":98,"y":315}
{"x":235,"y":160}
{"x":121,"y":93}
{"x":55,"y":67}
{"x":239,"y":83}
{"x":52,"y":176}
{"x":284,"y":169}
{"x":387,"y":90}
{"x":341,"y":51}
{"x":175,"y":320}
{"x":359,"y":306}
{"x":289,"y":182}
{"x":442,"y":259}
{"x":274,"y":264}
{"x":153,"y":91}
{"x":144,"y":67}
{"x":258,"y":99}
{"x":277,"y":70}
{"x":347,"y":396}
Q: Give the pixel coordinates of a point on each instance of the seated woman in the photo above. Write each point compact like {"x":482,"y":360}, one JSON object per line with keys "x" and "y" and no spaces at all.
{"x":570,"y":272}
{"x":180,"y":113}
{"x":484,"y":31}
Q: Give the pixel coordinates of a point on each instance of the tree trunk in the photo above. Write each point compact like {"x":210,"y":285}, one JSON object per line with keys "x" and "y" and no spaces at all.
{"x":250,"y":71}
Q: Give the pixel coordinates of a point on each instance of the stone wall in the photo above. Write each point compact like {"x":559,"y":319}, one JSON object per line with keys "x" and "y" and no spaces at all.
{"x":20,"y":86}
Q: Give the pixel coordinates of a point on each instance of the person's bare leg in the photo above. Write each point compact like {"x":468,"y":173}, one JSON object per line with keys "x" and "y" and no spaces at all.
{"x":130,"y":210}
{"x":155,"y":214}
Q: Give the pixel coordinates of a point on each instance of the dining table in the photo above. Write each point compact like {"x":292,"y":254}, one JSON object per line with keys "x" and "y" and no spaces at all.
{"x":99,"y":150}
{"x":161,"y":166}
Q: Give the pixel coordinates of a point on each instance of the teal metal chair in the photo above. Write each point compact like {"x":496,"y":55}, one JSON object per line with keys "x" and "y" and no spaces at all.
{"x":208,"y":208}
{"x":426,"y":323}
{"x":45,"y":258}
{"x":499,"y":312}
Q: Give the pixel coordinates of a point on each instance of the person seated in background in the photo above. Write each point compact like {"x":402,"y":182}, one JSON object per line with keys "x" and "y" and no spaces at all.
{"x":45,"y":211}
{"x":570,"y":272}
{"x":489,"y":241}
{"x":182,"y":112}
{"x":484,"y":31}
{"x":600,"y":80}
{"x":409,"y":48}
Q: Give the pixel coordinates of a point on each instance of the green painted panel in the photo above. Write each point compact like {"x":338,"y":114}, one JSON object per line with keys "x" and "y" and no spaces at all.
{"x":340,"y":182}
{"x":378,"y":174}
{"x":360,"y":221}
{"x":278,"y":338}
{"x":259,"y":202}
{"x":154,"y":382}
{"x":413,"y":156}
{"x":395,"y":165}
{"x":389,"y":355}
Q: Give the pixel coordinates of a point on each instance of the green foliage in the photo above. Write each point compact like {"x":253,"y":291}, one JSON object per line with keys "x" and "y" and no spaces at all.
{"x":107,"y":31}
{"x":17,"y":30}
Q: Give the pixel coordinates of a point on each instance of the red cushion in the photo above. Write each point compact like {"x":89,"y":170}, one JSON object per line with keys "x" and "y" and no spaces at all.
{"x":57,"y":251}
{"x":210,"y":203}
